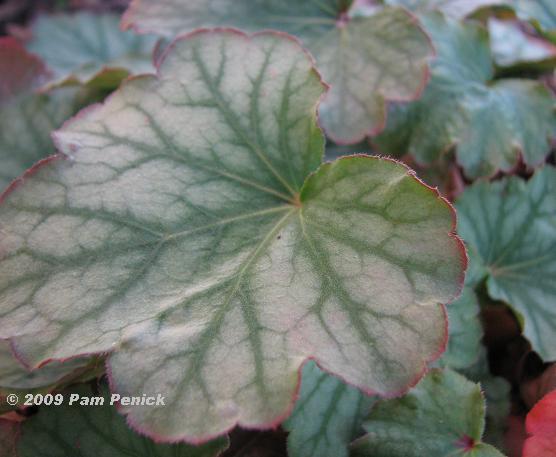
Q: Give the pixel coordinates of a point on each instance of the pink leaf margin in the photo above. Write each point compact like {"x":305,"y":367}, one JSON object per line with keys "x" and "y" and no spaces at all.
{"x":197,"y":440}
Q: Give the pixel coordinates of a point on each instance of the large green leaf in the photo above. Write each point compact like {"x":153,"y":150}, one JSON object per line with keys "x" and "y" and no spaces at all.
{"x":95,"y":430}
{"x":443,"y":416}
{"x":367,"y":60}
{"x":491,"y":123}
{"x":458,"y":9}
{"x":27,"y":118}
{"x":510,"y":227}
{"x":183,"y":236}
{"x":327,"y":415}
{"x":465,"y":331}
{"x":89,"y":48}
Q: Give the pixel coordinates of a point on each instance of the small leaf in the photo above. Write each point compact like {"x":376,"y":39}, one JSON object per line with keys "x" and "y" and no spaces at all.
{"x":28,"y":118}
{"x":511,"y":46}
{"x":490,"y":122}
{"x":367,"y":60}
{"x":443,"y":415}
{"x":510,"y":227}
{"x":327,"y":416}
{"x":457,"y":9}
{"x":541,"y":423}
{"x":465,"y":331}
{"x":192,"y":236}
{"x":95,"y":430}
{"x":87,"y":48}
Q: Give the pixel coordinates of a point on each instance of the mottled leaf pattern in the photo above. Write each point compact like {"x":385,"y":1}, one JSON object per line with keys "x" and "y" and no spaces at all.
{"x":327,"y":415}
{"x":95,"y":430}
{"x":442,"y":416}
{"x":90,"y":49}
{"x":189,"y":244}
{"x":367,"y":60}
{"x":510,"y":228}
{"x":491,"y":123}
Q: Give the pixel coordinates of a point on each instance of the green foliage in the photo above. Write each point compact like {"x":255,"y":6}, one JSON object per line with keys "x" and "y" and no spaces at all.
{"x":188,"y":242}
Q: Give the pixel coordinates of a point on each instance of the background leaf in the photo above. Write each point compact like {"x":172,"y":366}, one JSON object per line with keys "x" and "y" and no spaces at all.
{"x":541,"y":423}
{"x":491,"y":123}
{"x":367,"y":60}
{"x":443,"y":415}
{"x":189,"y":244}
{"x":510,"y":226}
{"x":90,"y":431}
{"x":89,"y":48}
{"x":327,"y":416}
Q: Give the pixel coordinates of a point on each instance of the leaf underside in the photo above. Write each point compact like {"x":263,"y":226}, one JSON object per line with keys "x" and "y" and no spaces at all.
{"x":366,"y":60}
{"x":182,"y":236}
{"x":491,"y":123}
{"x":510,"y":229}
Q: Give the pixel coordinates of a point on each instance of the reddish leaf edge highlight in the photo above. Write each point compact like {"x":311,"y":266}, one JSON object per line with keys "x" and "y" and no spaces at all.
{"x":128,"y":24}
{"x":198,"y":440}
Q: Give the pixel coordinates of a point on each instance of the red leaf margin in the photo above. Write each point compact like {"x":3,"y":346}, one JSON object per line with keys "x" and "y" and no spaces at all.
{"x":128,"y":23}
{"x":197,"y":440}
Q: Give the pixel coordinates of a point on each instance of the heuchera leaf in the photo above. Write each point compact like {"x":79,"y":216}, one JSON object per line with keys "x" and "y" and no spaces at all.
{"x":541,"y":11}
{"x":457,"y":9}
{"x":496,"y":391}
{"x":95,"y":430}
{"x":89,"y":48}
{"x":510,"y":227}
{"x":27,"y":117}
{"x":541,"y":423}
{"x":183,"y":236}
{"x":13,"y":376}
{"x":465,"y":331}
{"x":491,"y":123}
{"x":511,"y":46}
{"x":326,"y":417}
{"x":442,"y":416}
{"x":367,"y":60}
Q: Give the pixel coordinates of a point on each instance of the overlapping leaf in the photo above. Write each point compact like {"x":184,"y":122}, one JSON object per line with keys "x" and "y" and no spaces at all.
{"x":490,"y":123}
{"x":183,"y":236}
{"x":457,"y":9}
{"x":327,"y":416}
{"x":465,"y":331}
{"x":542,"y":12}
{"x":512,"y":47}
{"x":442,"y":416}
{"x":98,"y":430}
{"x":541,"y":424}
{"x":510,"y":229}
{"x":27,"y":117}
{"x":13,"y":376}
{"x":89,"y":48}
{"x":367,"y":60}
{"x":8,"y":432}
